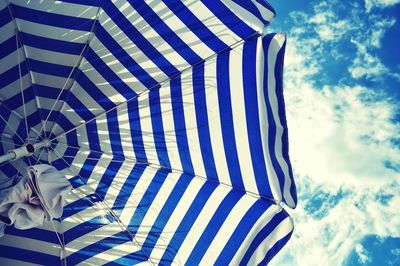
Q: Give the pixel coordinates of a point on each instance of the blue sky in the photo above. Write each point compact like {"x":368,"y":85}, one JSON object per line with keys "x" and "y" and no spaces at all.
{"x":342,"y":88}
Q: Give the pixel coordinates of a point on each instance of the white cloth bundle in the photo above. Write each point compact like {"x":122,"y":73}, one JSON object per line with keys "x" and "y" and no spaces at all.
{"x":27,"y":202}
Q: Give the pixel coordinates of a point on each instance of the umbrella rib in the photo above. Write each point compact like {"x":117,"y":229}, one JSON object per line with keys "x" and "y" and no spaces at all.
{"x":5,"y":121}
{"x":14,"y":112}
{"x":62,"y":240}
{"x":78,"y":62}
{"x":98,"y":159}
{"x":81,"y":148}
{"x":127,"y":158}
{"x":16,"y":168}
{"x":9,"y":142}
{"x":22,"y":89}
{"x":21,"y":85}
{"x":105,"y":159}
{"x":40,"y":155}
{"x":57,"y":234}
{"x":9,"y":109}
{"x":100,"y":152}
{"x":19,"y":167}
{"x":73,"y":166}
{"x":124,"y":227}
{"x":64,"y":257}
{"x":24,"y":52}
{"x":159,"y":84}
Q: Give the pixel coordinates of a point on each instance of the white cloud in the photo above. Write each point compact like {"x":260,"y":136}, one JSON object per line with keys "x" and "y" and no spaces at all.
{"x":396,"y":252}
{"x":366,"y":65}
{"x":335,"y":135}
{"x":340,"y":142}
{"x":396,"y":260}
{"x":332,"y":23}
{"x":370,"y":4}
{"x":330,"y":239}
{"x":362,"y":254}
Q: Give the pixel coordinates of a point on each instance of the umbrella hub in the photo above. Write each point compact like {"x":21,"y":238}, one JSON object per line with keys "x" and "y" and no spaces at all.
{"x":25,"y":150}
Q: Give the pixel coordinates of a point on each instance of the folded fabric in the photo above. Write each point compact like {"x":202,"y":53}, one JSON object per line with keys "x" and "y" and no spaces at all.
{"x":51,"y":186}
{"x":26,"y":202}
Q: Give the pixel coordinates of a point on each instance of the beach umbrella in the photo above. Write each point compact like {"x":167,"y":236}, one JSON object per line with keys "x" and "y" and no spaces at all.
{"x":168,"y":120}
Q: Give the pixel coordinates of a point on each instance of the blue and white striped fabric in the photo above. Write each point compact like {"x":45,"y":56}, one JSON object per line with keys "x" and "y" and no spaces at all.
{"x":168,"y":119}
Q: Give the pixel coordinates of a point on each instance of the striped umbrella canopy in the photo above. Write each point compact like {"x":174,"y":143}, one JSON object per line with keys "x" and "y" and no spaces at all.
{"x":168,"y":119}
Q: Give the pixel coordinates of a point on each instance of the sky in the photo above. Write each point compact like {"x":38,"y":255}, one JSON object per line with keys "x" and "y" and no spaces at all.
{"x":342,"y":89}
